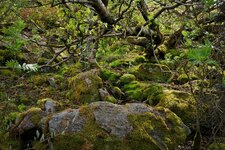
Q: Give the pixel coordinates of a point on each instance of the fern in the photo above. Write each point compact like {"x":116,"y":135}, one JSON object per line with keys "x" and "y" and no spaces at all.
{"x":25,"y":67}
{"x":13,"y":64}
{"x":30,"y":67}
{"x":200,"y":54}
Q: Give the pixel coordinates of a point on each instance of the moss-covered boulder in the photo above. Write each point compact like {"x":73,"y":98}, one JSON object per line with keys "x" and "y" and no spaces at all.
{"x":181,"y":103}
{"x":152,"y":72}
{"x":27,"y":123}
{"x":109,"y":75}
{"x":126,"y":78}
{"x":103,"y":125}
{"x":84,"y":87}
{"x":140,"y":91}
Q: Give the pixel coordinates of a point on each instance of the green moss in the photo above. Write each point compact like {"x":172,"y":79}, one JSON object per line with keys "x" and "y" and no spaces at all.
{"x":71,"y":70}
{"x":153,"y":93}
{"x":134,"y":90}
{"x":117,"y":92}
{"x":38,"y":79}
{"x":139,"y":60}
{"x":111,"y":99}
{"x":84,"y":87}
{"x":126,"y":78}
{"x":24,"y":99}
{"x":142,"y":91}
{"x":6,"y":142}
{"x":41,"y":103}
{"x":151,"y":130}
{"x":106,"y":74}
{"x":8,"y":73}
{"x":42,"y":61}
{"x":183,"y":78}
{"x":152,"y":72}
{"x":119,"y":63}
{"x":217,"y":146}
{"x":35,"y":115}
{"x":181,"y":103}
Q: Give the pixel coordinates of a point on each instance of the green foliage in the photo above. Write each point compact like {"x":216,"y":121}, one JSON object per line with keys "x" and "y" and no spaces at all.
{"x":25,"y":67}
{"x":209,"y":3}
{"x":201,"y":55}
{"x":21,"y":108}
{"x":13,"y":37}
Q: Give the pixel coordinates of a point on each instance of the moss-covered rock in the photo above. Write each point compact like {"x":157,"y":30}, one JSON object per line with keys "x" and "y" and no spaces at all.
{"x":154,"y":130}
{"x":134,"y":90}
{"x":152,"y":72}
{"x":103,"y":125}
{"x":49,"y":105}
{"x":84,"y":87}
{"x":183,"y":78}
{"x":139,"y":60}
{"x":119,"y":63}
{"x":151,"y":93}
{"x":126,"y":78}
{"x":117,"y":92}
{"x":109,"y":75}
{"x":154,"y":93}
{"x":181,"y":103}
{"x":27,"y":121}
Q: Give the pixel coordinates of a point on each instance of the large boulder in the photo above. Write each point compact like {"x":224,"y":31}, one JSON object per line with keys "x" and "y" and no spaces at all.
{"x":103,"y":125}
{"x":66,"y":122}
{"x":84,"y":87}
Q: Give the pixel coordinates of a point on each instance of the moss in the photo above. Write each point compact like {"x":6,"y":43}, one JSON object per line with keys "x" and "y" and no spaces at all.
{"x":183,"y":78}
{"x":41,"y":103}
{"x":24,"y":99}
{"x":6,"y":142}
{"x":153,"y":93}
{"x":111,"y":99}
{"x":151,"y":130}
{"x":119,"y":63}
{"x":181,"y":103}
{"x":39,"y":79}
{"x":84,"y":87}
{"x":109,"y":75}
{"x":217,"y":146}
{"x":134,"y":90}
{"x":139,"y":60}
{"x":152,"y":72}
{"x":117,"y":92}
{"x":71,"y":70}
{"x":8,"y":73}
{"x":34,"y":113}
{"x":42,"y":61}
{"x":126,"y":78}
{"x":142,"y":91}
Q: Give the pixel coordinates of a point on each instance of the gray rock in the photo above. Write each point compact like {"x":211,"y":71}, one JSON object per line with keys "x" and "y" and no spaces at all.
{"x":52,"y":82}
{"x":103,"y":93}
{"x":66,"y":121}
{"x":113,"y":118}
{"x":50,"y":107}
